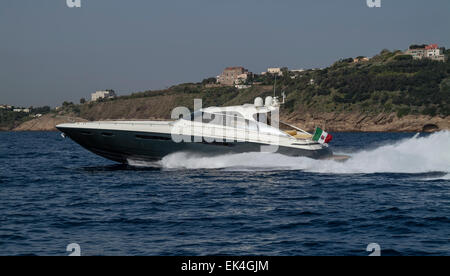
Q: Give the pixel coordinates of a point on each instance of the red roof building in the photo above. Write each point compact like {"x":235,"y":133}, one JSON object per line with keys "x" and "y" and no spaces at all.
{"x":431,"y":47}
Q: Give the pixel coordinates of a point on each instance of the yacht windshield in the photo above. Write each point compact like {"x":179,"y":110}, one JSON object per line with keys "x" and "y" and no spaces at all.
{"x":264,"y":118}
{"x":226,"y":119}
{"x":200,"y":116}
{"x":267,"y":125}
{"x":262,"y":124}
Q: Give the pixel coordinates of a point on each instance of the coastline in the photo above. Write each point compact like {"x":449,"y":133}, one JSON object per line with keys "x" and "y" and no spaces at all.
{"x":47,"y":122}
{"x":331,"y":122}
{"x":360,"y":122}
{"x":338,"y":131}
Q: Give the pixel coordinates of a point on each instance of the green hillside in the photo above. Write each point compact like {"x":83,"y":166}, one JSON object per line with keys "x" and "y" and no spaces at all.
{"x":389,"y":83}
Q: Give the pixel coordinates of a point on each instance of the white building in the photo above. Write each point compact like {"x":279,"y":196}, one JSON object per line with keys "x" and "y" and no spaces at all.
{"x":276,"y":70}
{"x":242,"y":86}
{"x":4,"y":106}
{"x":25,"y":110}
{"x":431,"y":51}
{"x":297,"y":70}
{"x":241,"y":79}
{"x":105,"y":94}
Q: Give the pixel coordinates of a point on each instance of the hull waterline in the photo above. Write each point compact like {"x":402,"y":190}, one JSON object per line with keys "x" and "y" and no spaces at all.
{"x":122,"y":145}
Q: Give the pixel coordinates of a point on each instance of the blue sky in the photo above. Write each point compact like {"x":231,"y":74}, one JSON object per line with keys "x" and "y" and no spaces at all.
{"x":50,"y":53}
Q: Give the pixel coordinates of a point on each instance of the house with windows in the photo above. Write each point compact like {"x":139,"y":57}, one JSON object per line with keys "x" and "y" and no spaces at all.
{"x":360,"y":59}
{"x":233,"y":75}
{"x":24,"y":110}
{"x":105,"y":94}
{"x":278,"y":71}
{"x":5,"y":106}
{"x":431,"y":51}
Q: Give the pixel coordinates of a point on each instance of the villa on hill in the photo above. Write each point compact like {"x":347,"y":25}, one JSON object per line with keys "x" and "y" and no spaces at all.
{"x":105,"y":94}
{"x":233,"y":76}
{"x":431,"y":51}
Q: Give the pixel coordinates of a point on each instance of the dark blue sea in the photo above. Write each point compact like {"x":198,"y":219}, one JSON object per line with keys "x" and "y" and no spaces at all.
{"x":395,"y":191}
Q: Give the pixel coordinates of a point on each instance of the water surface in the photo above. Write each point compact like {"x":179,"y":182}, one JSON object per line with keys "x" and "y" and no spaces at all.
{"x":395,"y":191}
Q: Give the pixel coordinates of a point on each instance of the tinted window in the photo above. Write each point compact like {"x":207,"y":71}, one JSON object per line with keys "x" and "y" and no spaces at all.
{"x":264,"y":118}
{"x":200,"y":116}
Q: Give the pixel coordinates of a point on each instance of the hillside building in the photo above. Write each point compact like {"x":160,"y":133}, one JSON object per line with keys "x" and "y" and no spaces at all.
{"x":25,"y":110}
{"x":360,"y":59}
{"x":105,"y":94}
{"x":431,"y":51}
{"x":297,"y":70}
{"x":275,"y":71}
{"x":5,"y":106}
{"x":232,"y":75}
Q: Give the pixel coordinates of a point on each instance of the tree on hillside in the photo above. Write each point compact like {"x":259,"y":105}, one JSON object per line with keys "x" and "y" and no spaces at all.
{"x":41,"y":110}
{"x":209,"y":81}
{"x":415,"y":46}
{"x":403,"y":57}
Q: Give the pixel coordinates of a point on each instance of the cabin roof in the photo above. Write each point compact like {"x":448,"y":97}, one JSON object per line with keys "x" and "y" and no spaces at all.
{"x":246,"y":110}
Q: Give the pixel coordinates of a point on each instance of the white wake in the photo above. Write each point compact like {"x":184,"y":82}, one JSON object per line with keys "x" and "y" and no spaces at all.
{"x":413,"y":155}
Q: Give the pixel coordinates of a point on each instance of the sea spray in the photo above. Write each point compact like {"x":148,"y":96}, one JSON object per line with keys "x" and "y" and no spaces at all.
{"x":442,"y":177}
{"x":143,"y":164}
{"x":413,"y":155}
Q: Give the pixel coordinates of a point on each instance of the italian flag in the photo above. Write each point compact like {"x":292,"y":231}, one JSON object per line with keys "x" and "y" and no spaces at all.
{"x":322,"y":136}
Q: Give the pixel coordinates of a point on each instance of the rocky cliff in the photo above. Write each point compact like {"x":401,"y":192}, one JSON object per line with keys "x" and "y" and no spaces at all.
{"x":355,"y":122}
{"x":47,"y":123}
{"x":334,"y":122}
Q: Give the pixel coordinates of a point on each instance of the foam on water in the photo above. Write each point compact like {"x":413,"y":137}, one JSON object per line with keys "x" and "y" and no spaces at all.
{"x":444,"y":177}
{"x":143,"y":164}
{"x":414,"y":155}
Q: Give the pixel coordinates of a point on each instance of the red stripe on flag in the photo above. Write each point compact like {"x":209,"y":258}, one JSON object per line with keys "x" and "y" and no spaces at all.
{"x":328,"y":139}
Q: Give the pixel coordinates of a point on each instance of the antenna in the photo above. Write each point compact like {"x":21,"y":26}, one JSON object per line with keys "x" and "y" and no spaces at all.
{"x":274,"y":85}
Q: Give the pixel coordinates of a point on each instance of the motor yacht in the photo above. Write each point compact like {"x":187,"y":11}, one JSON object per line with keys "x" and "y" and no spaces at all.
{"x":207,"y":131}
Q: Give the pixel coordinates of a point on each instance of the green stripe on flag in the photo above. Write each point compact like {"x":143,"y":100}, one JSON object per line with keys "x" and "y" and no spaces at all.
{"x":317,"y":134}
